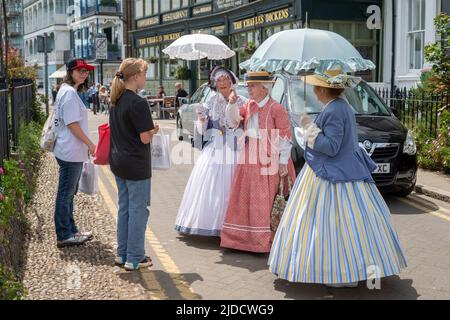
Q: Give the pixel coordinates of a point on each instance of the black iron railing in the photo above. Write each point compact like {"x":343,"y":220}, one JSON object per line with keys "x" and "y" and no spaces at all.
{"x":416,"y":109}
{"x":15,"y":108}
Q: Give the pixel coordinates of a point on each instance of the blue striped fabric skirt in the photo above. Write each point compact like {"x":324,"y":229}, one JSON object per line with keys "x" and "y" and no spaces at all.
{"x":335,"y":233}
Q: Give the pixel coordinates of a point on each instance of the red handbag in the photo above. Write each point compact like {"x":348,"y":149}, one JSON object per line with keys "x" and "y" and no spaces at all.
{"x":103,"y":146}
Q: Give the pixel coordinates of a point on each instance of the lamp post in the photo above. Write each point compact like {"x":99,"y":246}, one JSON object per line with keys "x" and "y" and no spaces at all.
{"x":44,"y":47}
{"x":6,"y":40}
{"x":46,"y":72}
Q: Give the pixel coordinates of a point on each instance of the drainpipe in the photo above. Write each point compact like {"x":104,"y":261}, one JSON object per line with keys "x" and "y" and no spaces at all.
{"x":394,"y":18}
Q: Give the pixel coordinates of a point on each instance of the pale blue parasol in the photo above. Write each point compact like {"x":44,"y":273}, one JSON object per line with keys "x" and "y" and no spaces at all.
{"x":300,"y":50}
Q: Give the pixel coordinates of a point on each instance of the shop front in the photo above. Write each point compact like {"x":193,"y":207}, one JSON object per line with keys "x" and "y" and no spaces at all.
{"x":249,"y":32}
{"x":244,"y":25}
{"x":162,"y":71}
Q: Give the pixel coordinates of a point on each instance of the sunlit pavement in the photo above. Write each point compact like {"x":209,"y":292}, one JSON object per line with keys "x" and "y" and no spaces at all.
{"x":197,"y":268}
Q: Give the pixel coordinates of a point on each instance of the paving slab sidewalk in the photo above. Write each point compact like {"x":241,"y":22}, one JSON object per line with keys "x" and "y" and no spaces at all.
{"x":434,"y":184}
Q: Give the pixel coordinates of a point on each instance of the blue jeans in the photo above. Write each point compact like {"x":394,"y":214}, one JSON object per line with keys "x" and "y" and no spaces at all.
{"x":134,"y":200}
{"x":69,"y":176}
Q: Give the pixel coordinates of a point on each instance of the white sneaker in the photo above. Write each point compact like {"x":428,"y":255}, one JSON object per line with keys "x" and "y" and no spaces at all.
{"x":120,"y":261}
{"x":87,"y":234}
{"x":146,"y":263}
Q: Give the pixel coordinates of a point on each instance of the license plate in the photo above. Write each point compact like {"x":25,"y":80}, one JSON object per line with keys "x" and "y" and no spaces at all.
{"x":383,"y":168}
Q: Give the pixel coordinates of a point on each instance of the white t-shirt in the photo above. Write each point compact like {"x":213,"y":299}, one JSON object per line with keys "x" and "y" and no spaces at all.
{"x":69,"y":108}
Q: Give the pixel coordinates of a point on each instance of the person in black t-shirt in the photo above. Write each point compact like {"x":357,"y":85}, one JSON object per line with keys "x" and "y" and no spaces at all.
{"x":132,"y":130}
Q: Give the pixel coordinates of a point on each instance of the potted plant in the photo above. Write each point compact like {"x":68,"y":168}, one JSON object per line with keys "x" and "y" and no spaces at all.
{"x":249,"y":48}
{"x":183,"y":73}
{"x":152,"y":59}
{"x":167,"y":59}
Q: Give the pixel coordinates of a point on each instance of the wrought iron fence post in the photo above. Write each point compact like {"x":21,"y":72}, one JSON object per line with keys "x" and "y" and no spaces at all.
{"x":14,"y":118}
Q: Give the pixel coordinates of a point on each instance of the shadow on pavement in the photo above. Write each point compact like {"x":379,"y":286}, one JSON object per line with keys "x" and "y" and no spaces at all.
{"x":199,"y":242}
{"x":163,"y":285}
{"x":251,"y":261}
{"x":95,"y":253}
{"x":400,"y":206}
{"x":392,"y":288}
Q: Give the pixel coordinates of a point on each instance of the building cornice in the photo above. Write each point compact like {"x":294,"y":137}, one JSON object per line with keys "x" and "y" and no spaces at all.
{"x":63,"y":28}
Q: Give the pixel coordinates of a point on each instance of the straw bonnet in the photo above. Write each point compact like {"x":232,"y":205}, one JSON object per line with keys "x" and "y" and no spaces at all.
{"x":335,"y":79}
{"x":258,"y":77}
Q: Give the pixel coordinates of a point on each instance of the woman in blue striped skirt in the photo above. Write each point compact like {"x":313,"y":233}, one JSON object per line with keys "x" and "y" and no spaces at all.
{"x":336,"y":228}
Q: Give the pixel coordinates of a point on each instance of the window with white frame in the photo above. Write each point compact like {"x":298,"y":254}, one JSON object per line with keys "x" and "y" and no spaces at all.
{"x":139,"y":8}
{"x":416,"y":33}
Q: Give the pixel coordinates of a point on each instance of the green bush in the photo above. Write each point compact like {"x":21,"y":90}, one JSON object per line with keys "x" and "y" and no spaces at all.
{"x":10,"y":288}
{"x":438,"y":54}
{"x":434,"y":153}
{"x":18,"y":183}
{"x":29,"y":152}
{"x":37,"y":113}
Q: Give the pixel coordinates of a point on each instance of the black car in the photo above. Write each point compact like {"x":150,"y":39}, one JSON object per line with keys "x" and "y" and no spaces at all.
{"x":388,"y":142}
{"x":380,"y":133}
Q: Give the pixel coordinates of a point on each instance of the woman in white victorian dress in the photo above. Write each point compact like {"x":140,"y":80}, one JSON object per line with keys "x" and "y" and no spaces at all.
{"x":205,"y":200}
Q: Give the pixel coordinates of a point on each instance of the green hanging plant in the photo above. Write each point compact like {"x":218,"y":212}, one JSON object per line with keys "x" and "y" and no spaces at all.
{"x":183,"y":73}
{"x":152,"y":59}
{"x":249,"y":48}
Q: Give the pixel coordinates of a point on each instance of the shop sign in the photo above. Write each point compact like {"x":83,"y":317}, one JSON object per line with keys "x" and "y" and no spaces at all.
{"x":262,"y":19}
{"x":148,"y":22}
{"x":158,"y":39}
{"x":177,"y":15}
{"x":227,"y":4}
{"x":215,"y":31}
{"x":201,"y":10}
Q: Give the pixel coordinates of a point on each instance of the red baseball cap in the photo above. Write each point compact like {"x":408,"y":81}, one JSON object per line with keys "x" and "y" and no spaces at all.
{"x":76,"y":64}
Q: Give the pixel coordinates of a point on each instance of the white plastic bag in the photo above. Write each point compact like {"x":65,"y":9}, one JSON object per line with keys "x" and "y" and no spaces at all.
{"x":48,"y":135}
{"x":89,"y":179}
{"x":160,"y":149}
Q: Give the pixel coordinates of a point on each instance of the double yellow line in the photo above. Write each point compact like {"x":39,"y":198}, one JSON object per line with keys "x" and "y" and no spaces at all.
{"x":151,"y":281}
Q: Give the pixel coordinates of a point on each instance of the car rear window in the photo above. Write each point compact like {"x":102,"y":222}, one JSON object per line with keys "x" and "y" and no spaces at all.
{"x":363,"y":100}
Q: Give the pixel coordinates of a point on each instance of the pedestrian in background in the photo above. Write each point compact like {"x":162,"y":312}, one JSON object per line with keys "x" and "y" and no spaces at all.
{"x":54,"y":93}
{"x":132,"y":130}
{"x":104,"y":100}
{"x":161,"y":93}
{"x":96,"y":98}
{"x":179,"y":93}
{"x":72,"y":149}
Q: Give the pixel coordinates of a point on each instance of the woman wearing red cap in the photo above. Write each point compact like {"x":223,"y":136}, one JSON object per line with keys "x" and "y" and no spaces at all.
{"x":72,"y":148}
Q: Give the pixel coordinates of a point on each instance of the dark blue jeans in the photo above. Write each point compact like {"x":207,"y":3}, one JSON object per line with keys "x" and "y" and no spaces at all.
{"x":69,"y":175}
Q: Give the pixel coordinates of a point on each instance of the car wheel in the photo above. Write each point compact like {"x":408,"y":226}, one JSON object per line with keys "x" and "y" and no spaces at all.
{"x":179,"y":128}
{"x":405,"y":192}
